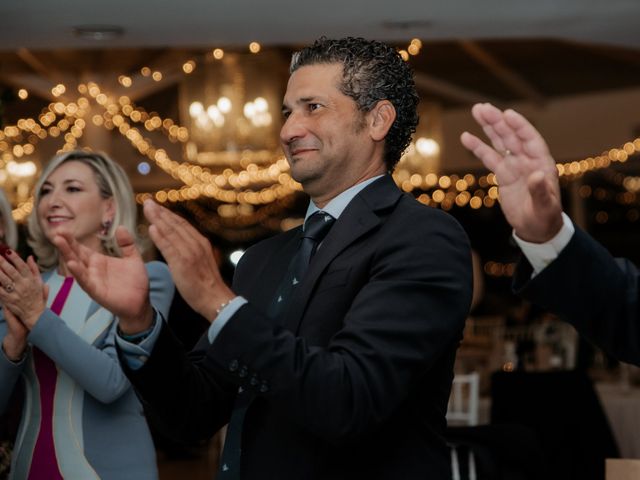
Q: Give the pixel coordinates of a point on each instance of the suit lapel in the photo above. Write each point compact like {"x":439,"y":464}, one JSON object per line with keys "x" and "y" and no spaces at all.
{"x":359,"y":218}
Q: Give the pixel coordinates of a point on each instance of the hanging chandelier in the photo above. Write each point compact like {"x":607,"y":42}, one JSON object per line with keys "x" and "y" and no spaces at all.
{"x":231,"y":106}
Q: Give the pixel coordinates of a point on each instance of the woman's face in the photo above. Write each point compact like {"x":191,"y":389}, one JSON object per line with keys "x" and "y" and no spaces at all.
{"x":70,"y":201}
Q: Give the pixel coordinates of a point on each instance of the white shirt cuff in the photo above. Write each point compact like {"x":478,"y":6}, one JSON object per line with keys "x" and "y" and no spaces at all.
{"x":542,"y":254}
{"x":223,"y":317}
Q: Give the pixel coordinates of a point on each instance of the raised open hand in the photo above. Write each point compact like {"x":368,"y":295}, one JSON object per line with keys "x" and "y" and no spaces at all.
{"x":526,"y":172}
{"x":119,"y":284}
{"x":190,"y":259}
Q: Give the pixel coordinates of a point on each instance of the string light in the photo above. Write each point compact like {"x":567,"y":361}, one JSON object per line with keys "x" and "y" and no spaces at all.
{"x":254,"y":184}
{"x":189,"y":67}
{"x":125,"y":81}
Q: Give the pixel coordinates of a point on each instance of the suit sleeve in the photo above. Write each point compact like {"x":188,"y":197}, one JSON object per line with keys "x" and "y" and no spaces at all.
{"x":95,"y":367}
{"x":594,"y":292}
{"x":180,"y":398}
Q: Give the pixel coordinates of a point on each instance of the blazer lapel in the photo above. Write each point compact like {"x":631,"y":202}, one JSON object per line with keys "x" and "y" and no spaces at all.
{"x":359,"y":218}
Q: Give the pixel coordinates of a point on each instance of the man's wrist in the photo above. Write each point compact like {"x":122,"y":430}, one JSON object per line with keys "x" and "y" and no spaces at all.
{"x":136,"y":338}
{"x":213,"y":308}
{"x":543,"y":237}
{"x":136,"y":325}
{"x":540,"y":255}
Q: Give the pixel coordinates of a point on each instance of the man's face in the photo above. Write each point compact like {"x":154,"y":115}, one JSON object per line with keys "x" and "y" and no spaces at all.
{"x":325,"y":137}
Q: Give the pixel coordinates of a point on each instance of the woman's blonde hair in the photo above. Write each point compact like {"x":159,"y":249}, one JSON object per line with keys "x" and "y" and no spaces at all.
{"x":112,"y":182}
{"x":10,"y":229}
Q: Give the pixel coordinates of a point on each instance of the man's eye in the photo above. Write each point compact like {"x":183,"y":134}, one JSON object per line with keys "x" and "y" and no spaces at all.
{"x":313,"y":106}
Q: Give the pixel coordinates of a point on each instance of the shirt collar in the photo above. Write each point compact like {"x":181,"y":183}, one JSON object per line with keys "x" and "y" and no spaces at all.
{"x":337,"y":204}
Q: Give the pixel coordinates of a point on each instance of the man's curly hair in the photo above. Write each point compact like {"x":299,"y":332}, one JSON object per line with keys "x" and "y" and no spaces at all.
{"x":372,"y":71}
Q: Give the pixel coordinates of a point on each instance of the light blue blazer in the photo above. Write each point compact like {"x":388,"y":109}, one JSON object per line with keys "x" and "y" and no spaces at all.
{"x":98,"y":426}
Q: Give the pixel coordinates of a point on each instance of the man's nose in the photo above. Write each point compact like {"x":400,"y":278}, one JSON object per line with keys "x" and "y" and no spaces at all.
{"x":292,"y":129}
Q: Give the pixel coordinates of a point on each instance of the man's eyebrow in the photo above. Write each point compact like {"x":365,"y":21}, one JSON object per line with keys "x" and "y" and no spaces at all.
{"x":307,"y":99}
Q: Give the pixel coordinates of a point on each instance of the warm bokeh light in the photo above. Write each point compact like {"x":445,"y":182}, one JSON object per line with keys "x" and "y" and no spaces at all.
{"x":189,"y":67}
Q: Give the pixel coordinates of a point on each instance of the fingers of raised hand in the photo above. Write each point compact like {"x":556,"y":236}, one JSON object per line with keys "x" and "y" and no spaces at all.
{"x":168,"y":223}
{"x":126,"y":242}
{"x":533,"y":144}
{"x":8,"y":268}
{"x":496,"y":126}
{"x":480,"y":149}
{"x":10,"y":276}
{"x":173,"y":235}
{"x":20,"y":265}
{"x":19,"y":284}
{"x":8,"y":286}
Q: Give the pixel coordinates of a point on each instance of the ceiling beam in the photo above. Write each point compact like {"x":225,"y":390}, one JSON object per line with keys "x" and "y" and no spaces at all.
{"x":33,"y":83}
{"x":36,"y":65}
{"x":625,"y":55}
{"x":451,"y":91}
{"x":143,"y":87}
{"x":168,"y":62}
{"x":506,"y":75}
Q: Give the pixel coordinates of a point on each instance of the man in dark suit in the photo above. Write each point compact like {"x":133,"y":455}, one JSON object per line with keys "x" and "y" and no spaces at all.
{"x":564,"y":269}
{"x":341,"y":372}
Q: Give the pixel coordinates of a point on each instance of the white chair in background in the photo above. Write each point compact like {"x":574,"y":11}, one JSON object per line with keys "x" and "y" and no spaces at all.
{"x":464,"y":402}
{"x":463,"y":410}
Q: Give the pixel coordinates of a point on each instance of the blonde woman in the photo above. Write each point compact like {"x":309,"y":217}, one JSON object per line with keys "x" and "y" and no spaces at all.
{"x":81,"y":417}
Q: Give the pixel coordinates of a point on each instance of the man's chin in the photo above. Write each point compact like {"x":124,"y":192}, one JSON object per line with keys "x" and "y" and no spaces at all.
{"x":305,"y":177}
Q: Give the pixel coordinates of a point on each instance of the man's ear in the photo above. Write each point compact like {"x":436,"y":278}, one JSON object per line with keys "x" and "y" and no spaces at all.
{"x":381,"y":117}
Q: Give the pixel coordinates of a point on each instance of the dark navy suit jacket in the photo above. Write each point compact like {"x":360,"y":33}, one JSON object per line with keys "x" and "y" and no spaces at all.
{"x":353,"y":380}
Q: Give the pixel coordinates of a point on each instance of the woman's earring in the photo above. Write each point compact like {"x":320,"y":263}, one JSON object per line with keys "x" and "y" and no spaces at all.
{"x":106,"y":225}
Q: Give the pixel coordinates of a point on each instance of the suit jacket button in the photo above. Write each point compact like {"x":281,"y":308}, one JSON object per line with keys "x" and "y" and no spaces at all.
{"x":233,"y":365}
{"x":243,"y":372}
{"x":253,"y":381}
{"x":264,"y":387}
